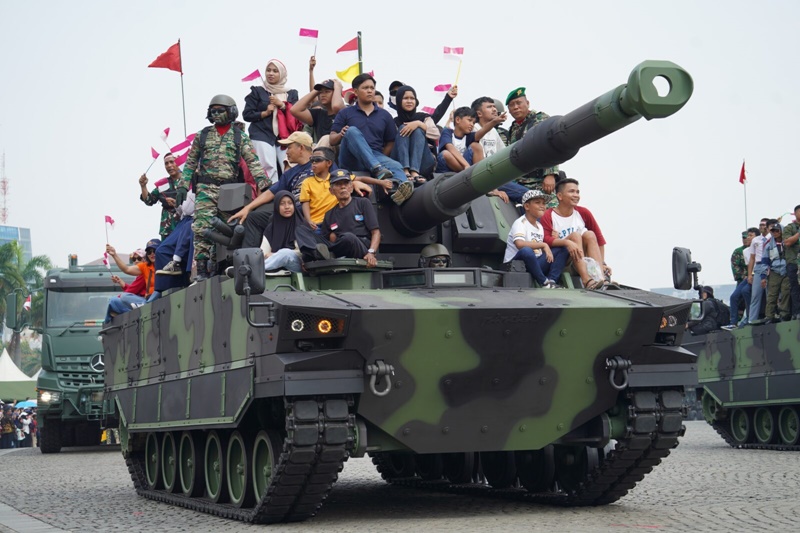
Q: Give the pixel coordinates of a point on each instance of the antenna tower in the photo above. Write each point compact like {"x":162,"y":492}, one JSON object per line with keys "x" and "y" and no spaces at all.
{"x":3,"y":191}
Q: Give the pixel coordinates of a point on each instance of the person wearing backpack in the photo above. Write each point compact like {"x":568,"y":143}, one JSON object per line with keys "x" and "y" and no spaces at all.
{"x":213,"y":161}
{"x":711,"y":313}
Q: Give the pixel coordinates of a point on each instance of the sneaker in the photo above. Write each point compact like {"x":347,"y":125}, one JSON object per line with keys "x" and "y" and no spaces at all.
{"x":280,"y":272}
{"x":549,"y":284}
{"x":381,"y":173}
{"x":730,"y":327}
{"x":323,"y":252}
{"x":403,"y":193}
{"x":173,"y":268}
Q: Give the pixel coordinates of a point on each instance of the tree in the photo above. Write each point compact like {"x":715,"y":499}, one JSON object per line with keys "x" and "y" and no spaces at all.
{"x":16,"y":274}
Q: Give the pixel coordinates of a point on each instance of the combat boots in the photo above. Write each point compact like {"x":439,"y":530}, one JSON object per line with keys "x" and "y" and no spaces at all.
{"x":202,"y":271}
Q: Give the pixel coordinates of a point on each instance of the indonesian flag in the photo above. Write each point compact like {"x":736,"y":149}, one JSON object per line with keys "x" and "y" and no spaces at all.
{"x":183,"y":145}
{"x":742,"y":175}
{"x":171,"y":59}
{"x":252,"y":76}
{"x":153,"y":153}
{"x":428,"y":110}
{"x":349,"y":46}
{"x":454,"y":52}
{"x":165,"y":134}
{"x":308,"y":32}
{"x":181,"y":159}
{"x":110,"y":220}
{"x":442,"y":88}
{"x":163,"y":184}
{"x":105,"y":259}
{"x":27,"y":305}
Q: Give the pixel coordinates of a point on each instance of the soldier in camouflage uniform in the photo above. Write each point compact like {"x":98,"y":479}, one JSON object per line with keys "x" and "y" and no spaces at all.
{"x":211,"y":166}
{"x":742,"y":293}
{"x":543,"y":179}
{"x":166,"y":197}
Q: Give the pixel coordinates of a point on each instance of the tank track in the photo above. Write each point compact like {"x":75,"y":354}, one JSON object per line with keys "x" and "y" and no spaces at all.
{"x":724,"y":432}
{"x":320,"y":438}
{"x":654,"y":424}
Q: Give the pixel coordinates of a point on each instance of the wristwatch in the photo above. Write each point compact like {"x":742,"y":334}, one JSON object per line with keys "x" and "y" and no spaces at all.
{"x":370,"y":251}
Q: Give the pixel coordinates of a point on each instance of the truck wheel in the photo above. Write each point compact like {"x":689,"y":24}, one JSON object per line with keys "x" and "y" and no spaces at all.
{"x":50,"y":437}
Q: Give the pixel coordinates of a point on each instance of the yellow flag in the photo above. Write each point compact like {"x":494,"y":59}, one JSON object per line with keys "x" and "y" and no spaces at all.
{"x":348,"y":74}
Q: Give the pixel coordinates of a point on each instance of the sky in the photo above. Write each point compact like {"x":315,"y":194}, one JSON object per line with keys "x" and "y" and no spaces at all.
{"x":81,"y":110}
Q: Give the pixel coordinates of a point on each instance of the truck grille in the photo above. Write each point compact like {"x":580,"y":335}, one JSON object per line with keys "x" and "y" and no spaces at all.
{"x":75,"y":372}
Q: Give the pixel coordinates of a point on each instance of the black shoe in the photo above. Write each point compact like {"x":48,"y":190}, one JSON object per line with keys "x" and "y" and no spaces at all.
{"x":323,"y":252}
{"x":202,"y":272}
{"x":381,"y":173}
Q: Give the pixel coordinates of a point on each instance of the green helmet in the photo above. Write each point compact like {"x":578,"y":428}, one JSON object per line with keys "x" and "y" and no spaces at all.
{"x":231,"y":111}
{"x":433,"y":250}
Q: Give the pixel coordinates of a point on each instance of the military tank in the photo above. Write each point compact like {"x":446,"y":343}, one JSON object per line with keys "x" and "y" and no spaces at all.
{"x":749,"y":377}
{"x":244,"y":397}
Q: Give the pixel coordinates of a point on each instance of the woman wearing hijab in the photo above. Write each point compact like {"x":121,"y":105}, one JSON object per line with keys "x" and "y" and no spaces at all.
{"x":414,"y":131}
{"x":267,"y":108}
{"x":281,"y":235}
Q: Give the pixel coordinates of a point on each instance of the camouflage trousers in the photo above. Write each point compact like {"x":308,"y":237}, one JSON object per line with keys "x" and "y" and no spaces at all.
{"x":536,"y":184}
{"x":205,"y":208}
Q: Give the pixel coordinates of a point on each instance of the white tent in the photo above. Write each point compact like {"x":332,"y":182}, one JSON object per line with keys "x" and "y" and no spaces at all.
{"x":14,"y":383}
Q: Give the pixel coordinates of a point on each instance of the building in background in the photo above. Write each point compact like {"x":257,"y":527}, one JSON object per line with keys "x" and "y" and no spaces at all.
{"x":22,"y":236}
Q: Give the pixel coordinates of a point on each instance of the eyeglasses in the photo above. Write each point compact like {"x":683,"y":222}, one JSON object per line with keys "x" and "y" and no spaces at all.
{"x":438,"y":261}
{"x":216,"y":111}
{"x":318,"y":159}
{"x":775,"y":229}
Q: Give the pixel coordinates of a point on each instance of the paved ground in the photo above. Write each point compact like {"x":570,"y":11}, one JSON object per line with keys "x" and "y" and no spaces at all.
{"x":703,"y":486}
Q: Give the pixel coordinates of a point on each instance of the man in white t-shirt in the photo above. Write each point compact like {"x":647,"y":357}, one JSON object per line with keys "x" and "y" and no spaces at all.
{"x":526,"y":243}
{"x":573,"y":227}
{"x":756,"y":269}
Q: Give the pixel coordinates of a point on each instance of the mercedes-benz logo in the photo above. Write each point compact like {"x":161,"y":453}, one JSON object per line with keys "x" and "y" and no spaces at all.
{"x":97,"y":363}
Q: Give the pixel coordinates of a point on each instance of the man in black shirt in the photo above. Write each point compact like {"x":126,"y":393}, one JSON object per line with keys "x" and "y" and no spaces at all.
{"x":350,"y":228}
{"x":320,"y":118}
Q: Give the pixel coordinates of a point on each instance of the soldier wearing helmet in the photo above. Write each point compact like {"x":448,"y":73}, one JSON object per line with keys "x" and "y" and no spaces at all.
{"x":213,"y":161}
{"x":434,"y":256}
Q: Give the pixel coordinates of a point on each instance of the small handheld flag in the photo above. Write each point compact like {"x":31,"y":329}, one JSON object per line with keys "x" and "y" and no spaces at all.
{"x":252,"y":76}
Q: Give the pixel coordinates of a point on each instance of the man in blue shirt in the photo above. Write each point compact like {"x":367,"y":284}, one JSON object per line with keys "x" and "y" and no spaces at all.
{"x":366,"y":134}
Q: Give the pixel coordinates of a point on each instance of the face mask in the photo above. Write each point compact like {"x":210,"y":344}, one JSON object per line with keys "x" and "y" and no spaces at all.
{"x":218,"y":116}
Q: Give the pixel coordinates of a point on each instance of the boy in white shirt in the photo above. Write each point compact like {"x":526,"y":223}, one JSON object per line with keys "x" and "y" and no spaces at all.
{"x":526,"y":243}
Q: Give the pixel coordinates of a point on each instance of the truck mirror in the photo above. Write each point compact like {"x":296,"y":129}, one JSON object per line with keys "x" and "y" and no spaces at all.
{"x":248,"y":271}
{"x":11,"y":311}
{"x":681,"y":258}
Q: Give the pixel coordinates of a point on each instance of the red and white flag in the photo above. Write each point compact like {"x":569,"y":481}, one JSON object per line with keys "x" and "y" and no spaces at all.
{"x":27,"y":305}
{"x":105,"y":259}
{"x":308,"y":32}
{"x":163,"y":184}
{"x":454,"y":52}
{"x":742,"y":175}
{"x":153,"y":153}
{"x":165,"y":134}
{"x":110,"y":221}
{"x":442,"y":88}
{"x":252,"y":76}
{"x":183,"y":145}
{"x":428,"y":110}
{"x":181,"y":159}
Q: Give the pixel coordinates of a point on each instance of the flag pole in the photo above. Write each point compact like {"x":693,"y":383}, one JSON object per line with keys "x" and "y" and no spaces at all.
{"x":183,"y":98}
{"x":745,"y":196}
{"x":360,"y":65}
{"x":151,"y":165}
{"x":106,"y":225}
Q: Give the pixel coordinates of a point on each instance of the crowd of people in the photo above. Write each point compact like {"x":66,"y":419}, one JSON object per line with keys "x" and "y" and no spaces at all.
{"x":315,"y":156}
{"x":18,"y":427}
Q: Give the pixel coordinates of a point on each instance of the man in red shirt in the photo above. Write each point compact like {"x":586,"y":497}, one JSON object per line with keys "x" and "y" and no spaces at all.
{"x":574,"y":227}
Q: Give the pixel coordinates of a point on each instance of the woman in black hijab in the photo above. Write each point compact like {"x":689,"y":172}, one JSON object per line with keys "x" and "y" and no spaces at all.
{"x":281,"y":235}
{"x":415,"y":130}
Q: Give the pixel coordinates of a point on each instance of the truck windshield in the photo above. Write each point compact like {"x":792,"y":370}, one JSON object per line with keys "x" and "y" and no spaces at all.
{"x":66,"y":308}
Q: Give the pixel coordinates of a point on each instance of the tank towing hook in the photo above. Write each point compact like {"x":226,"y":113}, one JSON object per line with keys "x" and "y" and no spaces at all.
{"x":618,"y":363}
{"x":377,"y":370}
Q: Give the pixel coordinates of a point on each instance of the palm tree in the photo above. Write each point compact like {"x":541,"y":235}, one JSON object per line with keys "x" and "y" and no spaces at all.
{"x":16,"y":274}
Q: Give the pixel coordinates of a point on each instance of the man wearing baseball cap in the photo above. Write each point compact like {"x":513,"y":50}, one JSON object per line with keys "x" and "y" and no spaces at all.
{"x":329,"y":93}
{"x":526,"y":243}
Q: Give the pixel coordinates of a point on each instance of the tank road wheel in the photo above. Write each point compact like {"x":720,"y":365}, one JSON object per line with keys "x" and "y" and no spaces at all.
{"x":237,"y":470}
{"x":394,"y":465}
{"x":536,"y":469}
{"x":499,"y":468}
{"x":429,"y":466}
{"x":764,"y":425}
{"x":573,"y":464}
{"x":152,"y":461}
{"x":741,"y":428}
{"x":459,"y":467}
{"x":214,"y":468}
{"x":710,"y":408}
{"x":190,"y":471}
{"x":169,"y":462}
{"x":266,"y":454}
{"x":788,"y":425}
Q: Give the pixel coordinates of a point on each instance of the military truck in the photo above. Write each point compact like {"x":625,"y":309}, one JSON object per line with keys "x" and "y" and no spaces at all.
{"x":244,"y":397}
{"x":70,"y":385}
{"x":750,"y":378}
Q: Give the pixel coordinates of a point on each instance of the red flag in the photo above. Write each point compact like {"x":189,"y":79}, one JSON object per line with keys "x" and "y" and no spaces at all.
{"x":109,"y":220}
{"x":428,"y":110}
{"x":742,"y":176}
{"x":27,"y":305}
{"x":153,"y":153}
{"x":252,"y":76}
{"x":442,"y":88}
{"x":308,"y":32}
{"x":349,"y":46}
{"x":165,"y":134}
{"x":171,"y":59}
{"x":183,"y":145}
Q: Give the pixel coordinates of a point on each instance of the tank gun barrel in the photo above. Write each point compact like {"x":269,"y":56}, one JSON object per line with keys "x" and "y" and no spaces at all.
{"x":549,"y":143}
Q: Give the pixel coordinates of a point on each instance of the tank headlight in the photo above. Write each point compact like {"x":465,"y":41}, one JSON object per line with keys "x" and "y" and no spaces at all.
{"x":298,"y":325}
{"x":324,"y":326}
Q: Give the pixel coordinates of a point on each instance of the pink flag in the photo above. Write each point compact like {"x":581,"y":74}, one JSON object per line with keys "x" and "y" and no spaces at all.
{"x":163,"y":184}
{"x":109,"y":220}
{"x":455,"y":51}
{"x":307,"y":32}
{"x":442,"y":88}
{"x":252,"y":76}
{"x":184,"y":145}
{"x":181,"y":159}
{"x":27,"y":305}
{"x":105,"y":260}
{"x":165,"y":135}
{"x":428,"y":110}
{"x":153,"y":153}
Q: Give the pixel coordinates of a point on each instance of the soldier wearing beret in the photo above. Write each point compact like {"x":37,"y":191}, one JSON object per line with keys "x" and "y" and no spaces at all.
{"x":525,"y":118}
